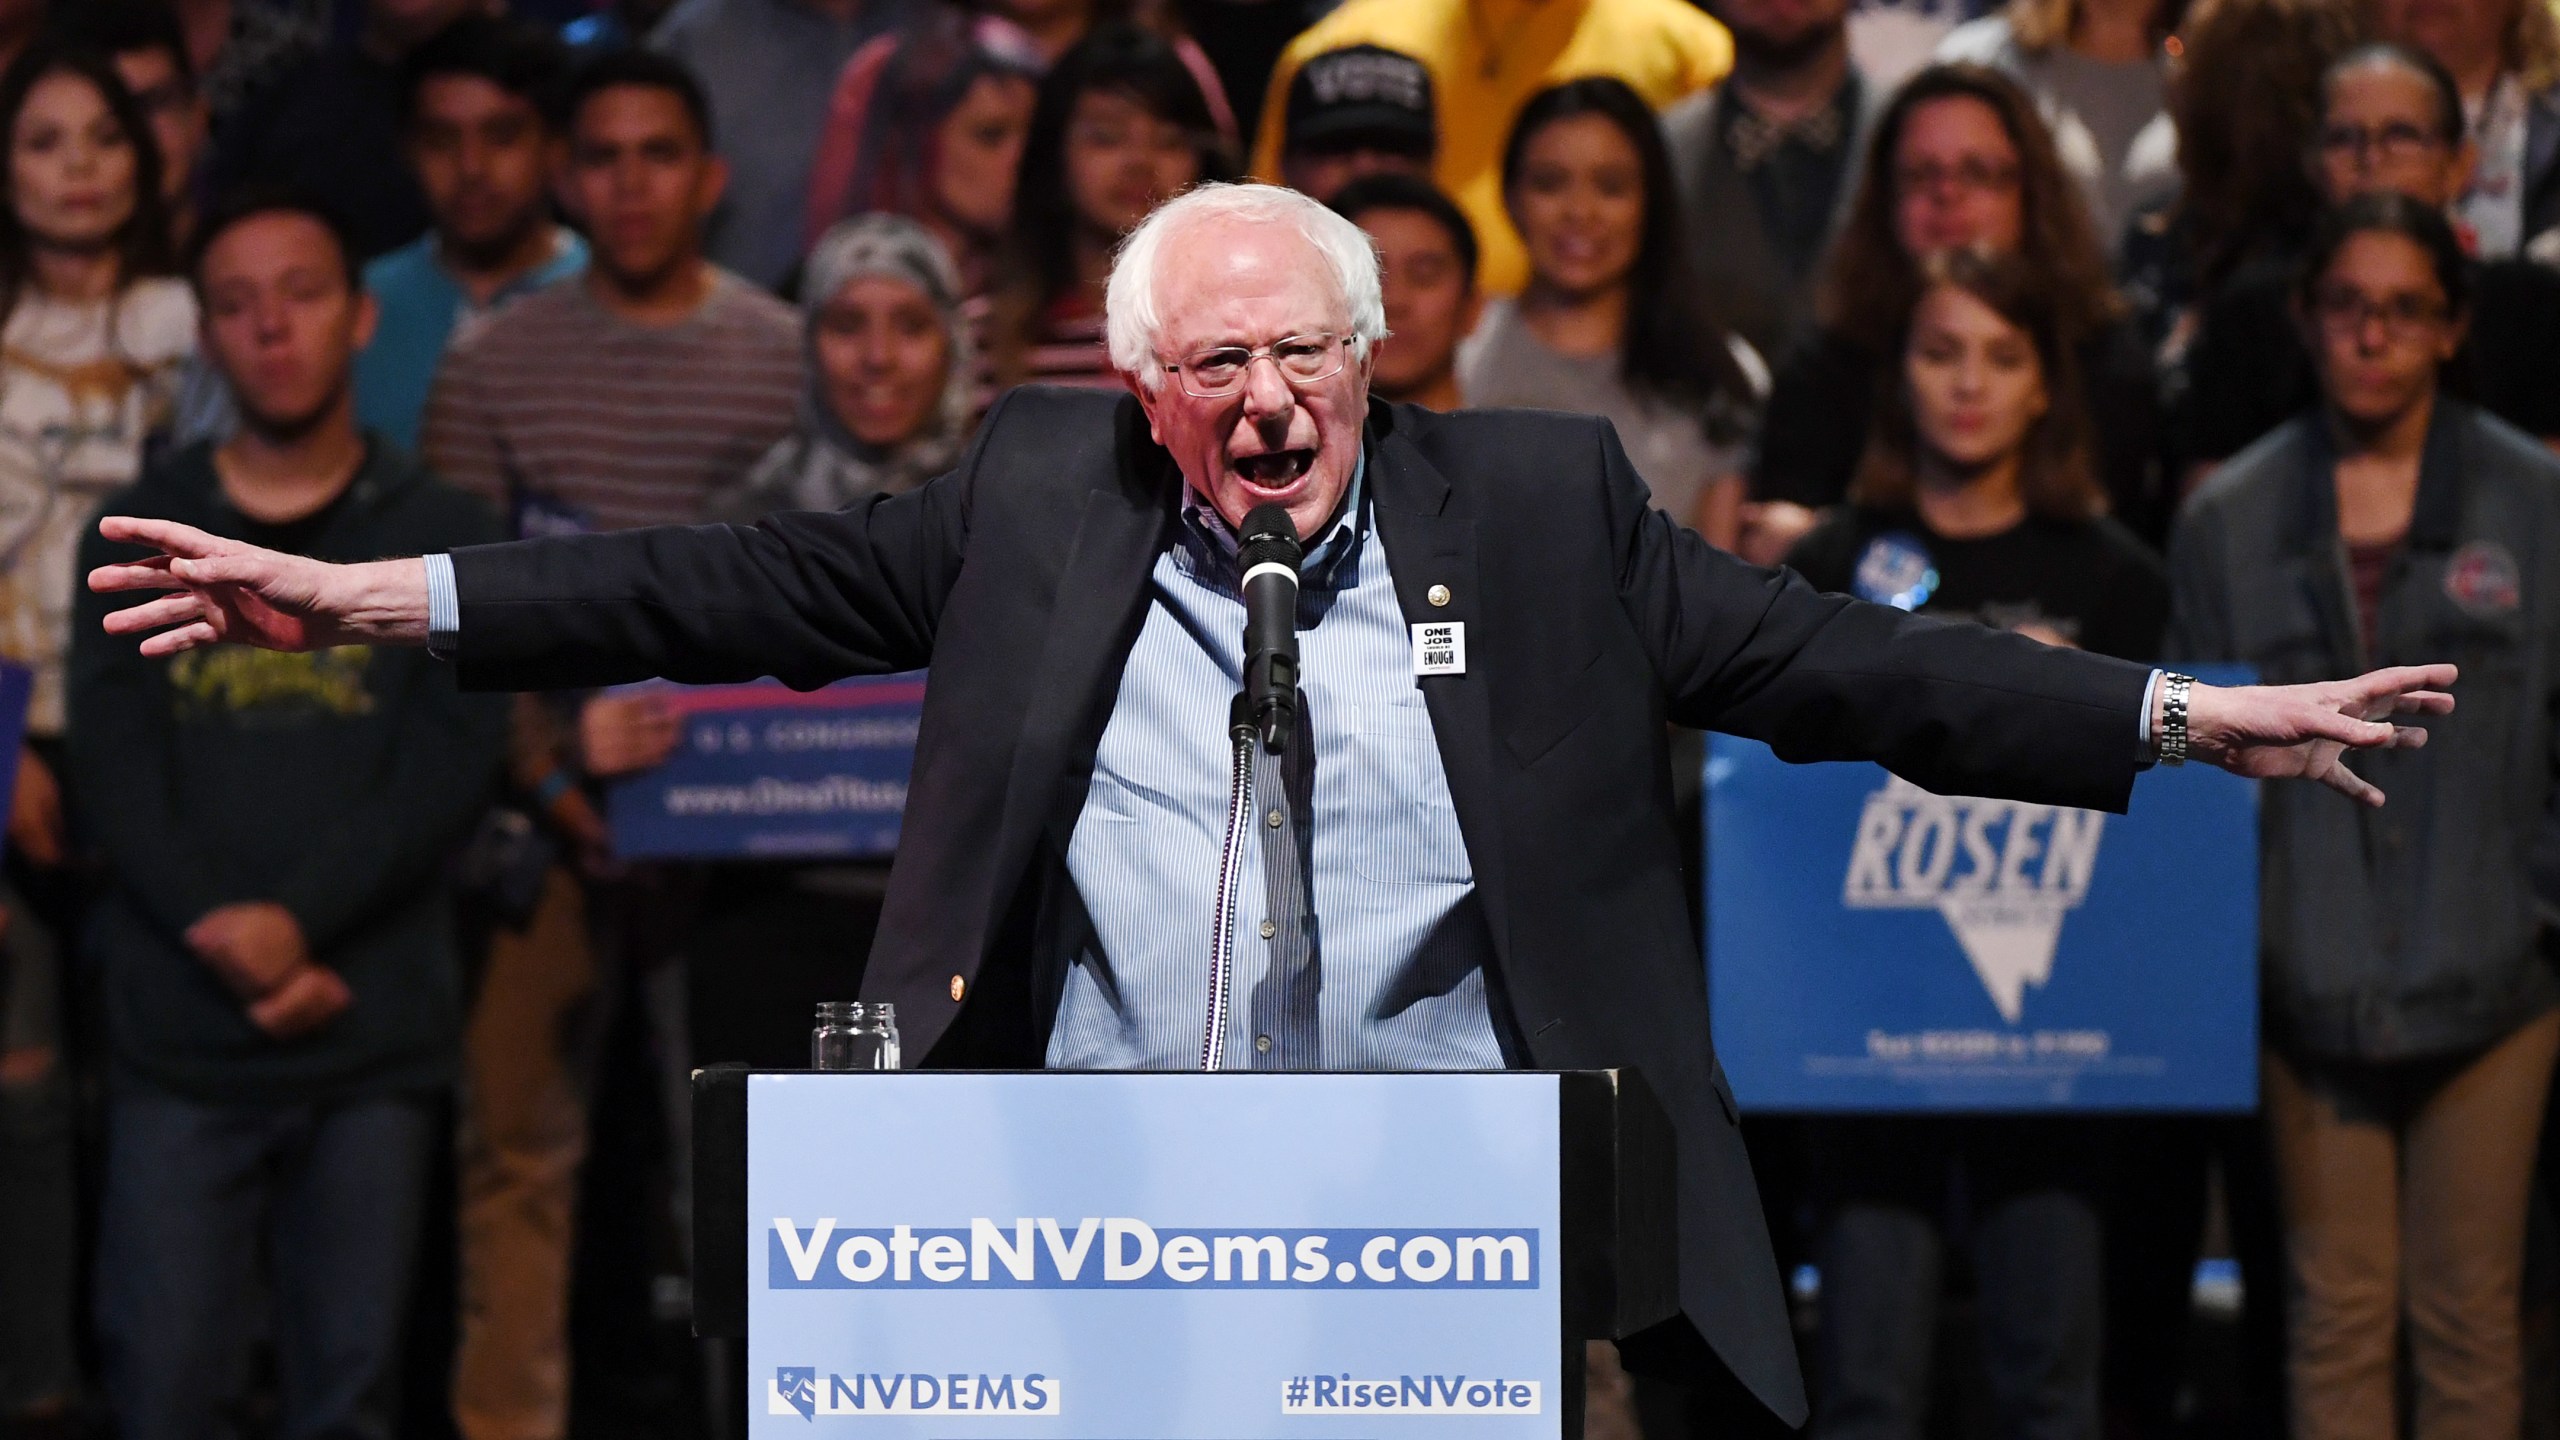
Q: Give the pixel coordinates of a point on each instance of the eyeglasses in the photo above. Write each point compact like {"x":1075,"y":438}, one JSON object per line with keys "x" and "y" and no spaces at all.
{"x":2344,"y":313}
{"x":1220,"y":370}
{"x":1970,"y":173}
{"x":2393,"y":143}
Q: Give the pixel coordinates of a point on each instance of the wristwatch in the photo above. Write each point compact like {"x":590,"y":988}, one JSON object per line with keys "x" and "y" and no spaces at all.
{"x":2172,"y":747}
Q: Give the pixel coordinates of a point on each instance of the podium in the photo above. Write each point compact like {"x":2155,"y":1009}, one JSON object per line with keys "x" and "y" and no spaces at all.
{"x":969,"y":1255}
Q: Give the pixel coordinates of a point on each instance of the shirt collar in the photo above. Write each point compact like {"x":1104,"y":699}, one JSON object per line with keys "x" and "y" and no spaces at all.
{"x":1205,"y":528}
{"x":568,"y":255}
{"x":1752,"y":140}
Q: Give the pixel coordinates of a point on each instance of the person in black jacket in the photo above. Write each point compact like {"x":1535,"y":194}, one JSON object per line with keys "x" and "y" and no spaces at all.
{"x":1959,"y":157}
{"x":1975,"y":499}
{"x":1074,"y":585}
{"x":282,"y":989}
{"x":2391,"y":123}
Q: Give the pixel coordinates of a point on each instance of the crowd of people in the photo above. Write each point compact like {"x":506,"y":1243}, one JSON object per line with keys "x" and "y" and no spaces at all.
{"x":2184,"y":330}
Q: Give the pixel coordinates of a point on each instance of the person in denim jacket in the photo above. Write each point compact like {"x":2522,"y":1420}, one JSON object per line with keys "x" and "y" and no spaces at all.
{"x":2409,"y":1004}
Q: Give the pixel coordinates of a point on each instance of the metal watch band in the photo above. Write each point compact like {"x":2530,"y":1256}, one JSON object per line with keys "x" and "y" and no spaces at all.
{"x":2173,"y":717}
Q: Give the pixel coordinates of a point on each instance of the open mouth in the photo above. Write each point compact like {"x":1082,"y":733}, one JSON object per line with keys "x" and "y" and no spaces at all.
{"x":1274,"y":470}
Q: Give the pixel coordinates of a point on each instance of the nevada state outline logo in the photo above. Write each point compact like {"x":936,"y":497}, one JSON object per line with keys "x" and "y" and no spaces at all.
{"x":2002,"y":873}
{"x":798,"y":1387}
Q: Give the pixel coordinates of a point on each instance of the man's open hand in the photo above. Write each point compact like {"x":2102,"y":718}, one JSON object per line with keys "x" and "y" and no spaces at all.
{"x":228,"y":590}
{"x":2282,"y":732}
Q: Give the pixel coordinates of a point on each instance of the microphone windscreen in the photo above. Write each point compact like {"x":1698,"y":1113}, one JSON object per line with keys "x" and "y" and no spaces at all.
{"x":1269,"y":537}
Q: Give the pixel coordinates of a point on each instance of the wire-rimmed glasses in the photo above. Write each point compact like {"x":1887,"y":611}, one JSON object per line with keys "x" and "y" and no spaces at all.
{"x":1219,"y":371}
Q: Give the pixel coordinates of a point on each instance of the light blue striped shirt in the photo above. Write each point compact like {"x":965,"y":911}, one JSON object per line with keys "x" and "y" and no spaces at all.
{"x":1391,"y":924}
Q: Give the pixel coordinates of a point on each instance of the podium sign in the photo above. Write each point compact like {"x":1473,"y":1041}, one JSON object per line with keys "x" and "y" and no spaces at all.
{"x":1871,"y":946}
{"x":766,"y":771}
{"x":1153,"y":1256}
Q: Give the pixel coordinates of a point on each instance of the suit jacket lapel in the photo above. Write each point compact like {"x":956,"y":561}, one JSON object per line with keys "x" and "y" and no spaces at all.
{"x":1096,"y":608}
{"x":1426,"y":547}
{"x":1095,"y":605}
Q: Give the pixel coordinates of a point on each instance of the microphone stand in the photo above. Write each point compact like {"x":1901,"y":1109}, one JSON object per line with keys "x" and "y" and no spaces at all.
{"x":1267,"y":553}
{"x":1222,"y":943}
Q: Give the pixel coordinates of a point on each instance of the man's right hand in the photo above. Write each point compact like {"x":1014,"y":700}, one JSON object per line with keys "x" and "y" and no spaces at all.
{"x":228,"y":590}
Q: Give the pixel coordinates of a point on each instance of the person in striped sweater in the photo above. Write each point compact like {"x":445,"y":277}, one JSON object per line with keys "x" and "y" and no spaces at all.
{"x":627,"y":396}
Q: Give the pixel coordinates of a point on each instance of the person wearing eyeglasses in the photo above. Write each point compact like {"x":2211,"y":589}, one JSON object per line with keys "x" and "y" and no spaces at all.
{"x":2409,"y":1007}
{"x":2505,"y":57}
{"x":1454,"y":860}
{"x":2390,"y":122}
{"x":1959,"y":157}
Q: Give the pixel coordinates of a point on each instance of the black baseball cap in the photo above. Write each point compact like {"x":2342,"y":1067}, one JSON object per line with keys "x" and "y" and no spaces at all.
{"x":1362,"y":97}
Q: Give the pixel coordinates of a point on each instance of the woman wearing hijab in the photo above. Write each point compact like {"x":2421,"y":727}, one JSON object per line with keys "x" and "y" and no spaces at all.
{"x":891,"y":399}
{"x":890,"y":405}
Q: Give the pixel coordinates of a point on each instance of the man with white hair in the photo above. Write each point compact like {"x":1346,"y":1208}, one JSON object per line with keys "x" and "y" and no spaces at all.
{"x":1466,"y":860}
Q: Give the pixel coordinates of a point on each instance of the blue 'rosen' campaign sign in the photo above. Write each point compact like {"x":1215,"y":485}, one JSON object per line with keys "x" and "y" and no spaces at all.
{"x":1871,"y":946}
{"x":764,"y":770}
{"x":1153,"y":1257}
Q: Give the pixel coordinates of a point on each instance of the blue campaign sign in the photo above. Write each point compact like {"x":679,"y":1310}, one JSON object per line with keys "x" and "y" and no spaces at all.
{"x":1872,"y":946}
{"x":764,"y":771}
{"x":1153,"y":1256}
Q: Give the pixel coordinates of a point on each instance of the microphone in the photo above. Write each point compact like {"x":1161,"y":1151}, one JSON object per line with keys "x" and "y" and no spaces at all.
{"x":1268,"y":554}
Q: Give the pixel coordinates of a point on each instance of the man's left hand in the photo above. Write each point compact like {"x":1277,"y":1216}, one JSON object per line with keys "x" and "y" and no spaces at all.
{"x":2283,"y":732}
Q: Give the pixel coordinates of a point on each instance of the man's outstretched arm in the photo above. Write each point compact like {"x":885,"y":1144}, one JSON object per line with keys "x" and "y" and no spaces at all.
{"x":229,"y":590}
{"x":805,"y":597}
{"x":1956,"y":707}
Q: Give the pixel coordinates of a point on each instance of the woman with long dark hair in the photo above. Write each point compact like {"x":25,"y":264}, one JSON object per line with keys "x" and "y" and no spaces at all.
{"x":1975,"y":500}
{"x":1609,"y":323}
{"x":95,"y":328}
{"x":1959,"y":158}
{"x":92,"y":333}
{"x":2098,"y":72}
{"x":2410,"y":1022}
{"x":1121,"y":125}
{"x":929,"y":123}
{"x":1978,"y":469}
{"x":2246,"y":99}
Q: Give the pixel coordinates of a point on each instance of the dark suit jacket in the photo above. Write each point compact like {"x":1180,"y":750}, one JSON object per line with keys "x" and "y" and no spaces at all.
{"x":1593,"y":621}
